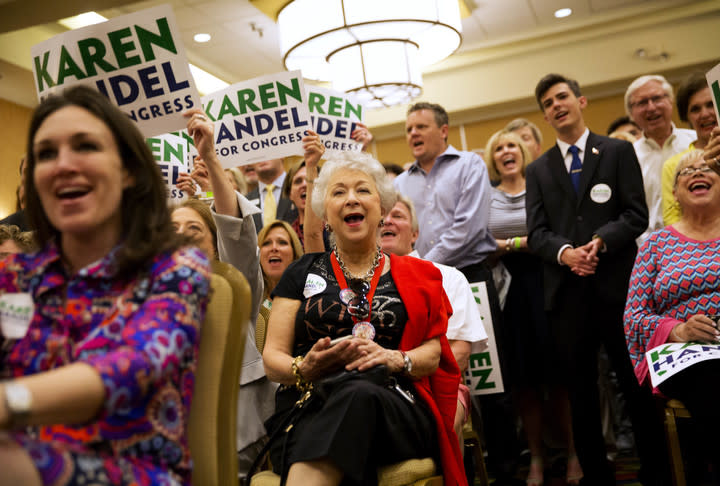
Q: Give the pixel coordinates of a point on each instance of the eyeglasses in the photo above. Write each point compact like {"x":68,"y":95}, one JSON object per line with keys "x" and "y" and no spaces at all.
{"x":355,"y":298}
{"x":688,"y":171}
{"x":645,"y":102}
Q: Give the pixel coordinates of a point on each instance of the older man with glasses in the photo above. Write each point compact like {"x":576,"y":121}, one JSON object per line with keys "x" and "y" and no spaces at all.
{"x":649,"y":103}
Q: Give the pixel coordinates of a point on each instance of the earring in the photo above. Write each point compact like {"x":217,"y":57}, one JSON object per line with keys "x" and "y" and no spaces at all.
{"x":382,"y":223}
{"x":328,"y":228}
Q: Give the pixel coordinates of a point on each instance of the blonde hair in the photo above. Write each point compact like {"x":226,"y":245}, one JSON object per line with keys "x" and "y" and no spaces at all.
{"x":492,"y":144}
{"x":294,"y":242}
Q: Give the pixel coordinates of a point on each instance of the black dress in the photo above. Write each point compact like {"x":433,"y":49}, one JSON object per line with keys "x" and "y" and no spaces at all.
{"x":361,"y":425}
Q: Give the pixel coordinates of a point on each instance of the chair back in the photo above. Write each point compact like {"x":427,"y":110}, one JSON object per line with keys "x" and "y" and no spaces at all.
{"x":213,"y":414}
{"x":261,"y":327}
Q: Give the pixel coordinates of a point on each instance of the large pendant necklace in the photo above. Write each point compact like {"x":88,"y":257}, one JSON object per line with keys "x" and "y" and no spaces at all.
{"x":368,"y":275}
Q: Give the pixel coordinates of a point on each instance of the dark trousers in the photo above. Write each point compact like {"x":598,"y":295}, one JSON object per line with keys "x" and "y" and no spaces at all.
{"x":497,"y":410}
{"x":580,"y":322}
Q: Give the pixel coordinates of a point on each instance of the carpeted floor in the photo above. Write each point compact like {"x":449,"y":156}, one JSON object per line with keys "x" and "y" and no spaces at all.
{"x":626,"y":473}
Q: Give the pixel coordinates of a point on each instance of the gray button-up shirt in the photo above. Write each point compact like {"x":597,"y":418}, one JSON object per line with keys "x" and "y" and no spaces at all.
{"x":452,"y":202}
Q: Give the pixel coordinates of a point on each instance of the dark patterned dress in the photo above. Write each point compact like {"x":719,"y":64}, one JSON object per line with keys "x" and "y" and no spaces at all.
{"x":361,"y":425}
{"x":141,"y":336}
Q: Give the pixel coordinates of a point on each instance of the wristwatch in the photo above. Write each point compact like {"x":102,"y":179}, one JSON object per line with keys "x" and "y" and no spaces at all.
{"x":18,"y":401}
{"x":407,"y":367}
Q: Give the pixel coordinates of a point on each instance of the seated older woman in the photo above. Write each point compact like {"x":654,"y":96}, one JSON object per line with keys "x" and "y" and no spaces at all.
{"x":675,"y":288}
{"x":396,"y":310}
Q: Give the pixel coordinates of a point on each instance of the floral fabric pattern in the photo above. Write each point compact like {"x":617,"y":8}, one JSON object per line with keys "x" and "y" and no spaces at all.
{"x":142,"y":337}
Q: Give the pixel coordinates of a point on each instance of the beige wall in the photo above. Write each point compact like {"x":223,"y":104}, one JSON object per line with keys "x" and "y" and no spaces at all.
{"x":598,"y":115}
{"x":14,"y":120}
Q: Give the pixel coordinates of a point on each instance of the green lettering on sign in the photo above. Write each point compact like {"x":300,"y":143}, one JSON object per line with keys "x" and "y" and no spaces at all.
{"x":316,"y":102}
{"x":121,"y":48}
{"x":266,"y":96}
{"x":42,"y":73}
{"x":293,"y":92}
{"x":164,"y":39}
{"x":68,"y":67}
{"x":716,"y":94}
{"x":92,"y":52}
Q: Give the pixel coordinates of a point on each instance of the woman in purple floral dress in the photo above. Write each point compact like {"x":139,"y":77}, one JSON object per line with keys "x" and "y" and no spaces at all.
{"x":99,"y":387}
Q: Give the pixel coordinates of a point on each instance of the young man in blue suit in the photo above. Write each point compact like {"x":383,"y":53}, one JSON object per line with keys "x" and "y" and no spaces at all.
{"x":585,"y":207}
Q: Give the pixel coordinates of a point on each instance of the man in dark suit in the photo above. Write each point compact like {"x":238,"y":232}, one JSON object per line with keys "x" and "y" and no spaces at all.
{"x":585,"y":207}
{"x":271,"y":203}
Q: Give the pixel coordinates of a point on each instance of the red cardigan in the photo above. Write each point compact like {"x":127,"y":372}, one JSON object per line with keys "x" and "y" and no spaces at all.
{"x":419,"y":284}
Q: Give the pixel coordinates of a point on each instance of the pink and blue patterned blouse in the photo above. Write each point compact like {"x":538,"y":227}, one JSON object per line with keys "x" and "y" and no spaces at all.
{"x":142,"y":337}
{"x":674,"y":278}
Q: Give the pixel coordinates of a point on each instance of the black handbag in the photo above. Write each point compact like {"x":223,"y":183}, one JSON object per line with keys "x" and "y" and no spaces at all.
{"x":315,"y":396}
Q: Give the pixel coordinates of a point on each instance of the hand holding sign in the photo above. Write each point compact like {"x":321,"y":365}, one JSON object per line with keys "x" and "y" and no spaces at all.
{"x":314,"y":150}
{"x":698,"y":328}
{"x":185,"y":183}
{"x":362,"y":135}
{"x":712,"y":150}
{"x":201,"y":175}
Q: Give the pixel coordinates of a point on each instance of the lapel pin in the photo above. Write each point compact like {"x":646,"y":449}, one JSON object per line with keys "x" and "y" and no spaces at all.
{"x":595,"y":151}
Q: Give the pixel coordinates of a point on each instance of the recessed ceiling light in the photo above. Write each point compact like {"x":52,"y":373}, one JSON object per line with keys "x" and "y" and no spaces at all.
{"x":562,"y":13}
{"x":202,"y":37}
{"x":82,"y":20}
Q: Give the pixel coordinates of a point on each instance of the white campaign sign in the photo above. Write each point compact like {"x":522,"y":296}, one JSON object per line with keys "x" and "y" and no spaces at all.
{"x":171,"y":153}
{"x":713,"y":79}
{"x":669,"y":359}
{"x":260,"y":119}
{"x":137,"y":60}
{"x":334,"y":116}
{"x":484,"y":376}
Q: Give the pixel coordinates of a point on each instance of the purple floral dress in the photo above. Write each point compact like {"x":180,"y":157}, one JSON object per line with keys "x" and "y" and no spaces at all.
{"x":142,"y":337}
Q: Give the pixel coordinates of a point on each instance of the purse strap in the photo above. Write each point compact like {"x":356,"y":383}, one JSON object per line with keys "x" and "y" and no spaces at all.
{"x":286,"y":425}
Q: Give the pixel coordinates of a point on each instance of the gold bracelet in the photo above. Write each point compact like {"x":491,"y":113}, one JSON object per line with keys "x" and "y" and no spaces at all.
{"x":300,"y":382}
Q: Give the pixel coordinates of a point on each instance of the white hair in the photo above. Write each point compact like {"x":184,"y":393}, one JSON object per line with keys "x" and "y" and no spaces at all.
{"x":362,"y":162}
{"x":642,"y":81}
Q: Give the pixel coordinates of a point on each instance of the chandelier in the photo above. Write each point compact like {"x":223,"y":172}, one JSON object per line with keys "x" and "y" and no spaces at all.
{"x":374,"y":49}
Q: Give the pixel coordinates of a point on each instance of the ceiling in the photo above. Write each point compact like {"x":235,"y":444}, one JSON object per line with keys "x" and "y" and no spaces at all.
{"x":504,"y":42}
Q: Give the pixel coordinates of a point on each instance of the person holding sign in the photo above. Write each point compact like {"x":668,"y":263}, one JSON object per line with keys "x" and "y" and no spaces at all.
{"x":674,"y":294}
{"x":367,"y":330}
{"x":695,"y":106}
{"x":93,"y":374}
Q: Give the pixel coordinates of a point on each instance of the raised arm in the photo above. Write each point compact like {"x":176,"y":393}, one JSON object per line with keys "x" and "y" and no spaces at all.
{"x":313,"y":225}
{"x":203,"y":131}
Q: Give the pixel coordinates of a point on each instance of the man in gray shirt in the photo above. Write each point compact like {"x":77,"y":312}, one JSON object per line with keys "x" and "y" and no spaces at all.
{"x":451,"y":193}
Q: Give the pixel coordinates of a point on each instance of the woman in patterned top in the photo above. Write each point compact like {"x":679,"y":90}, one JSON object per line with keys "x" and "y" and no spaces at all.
{"x":100,"y":384}
{"x":396,"y":309}
{"x":675,"y":290}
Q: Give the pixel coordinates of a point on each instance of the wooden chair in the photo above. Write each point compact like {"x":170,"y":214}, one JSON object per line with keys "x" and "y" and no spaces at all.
{"x":213,"y":415}
{"x":473,"y":444}
{"x":673,"y":410}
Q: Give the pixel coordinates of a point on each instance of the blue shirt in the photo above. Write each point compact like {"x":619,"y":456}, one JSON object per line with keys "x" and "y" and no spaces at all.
{"x":452,"y":203}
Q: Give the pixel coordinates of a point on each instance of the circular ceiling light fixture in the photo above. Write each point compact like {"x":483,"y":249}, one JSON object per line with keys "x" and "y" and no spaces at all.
{"x":561,"y":13}
{"x":374,"y":49}
{"x":202,"y":37}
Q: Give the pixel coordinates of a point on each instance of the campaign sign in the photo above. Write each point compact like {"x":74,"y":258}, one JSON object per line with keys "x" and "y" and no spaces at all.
{"x":713,"y":79}
{"x":334,"y":117}
{"x":171,"y":153}
{"x":137,"y":60}
{"x":669,"y":359}
{"x":259,"y":119}
{"x":483,"y":375}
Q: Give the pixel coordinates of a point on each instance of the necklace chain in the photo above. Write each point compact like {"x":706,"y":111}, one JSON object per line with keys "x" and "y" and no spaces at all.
{"x":368,"y":275}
